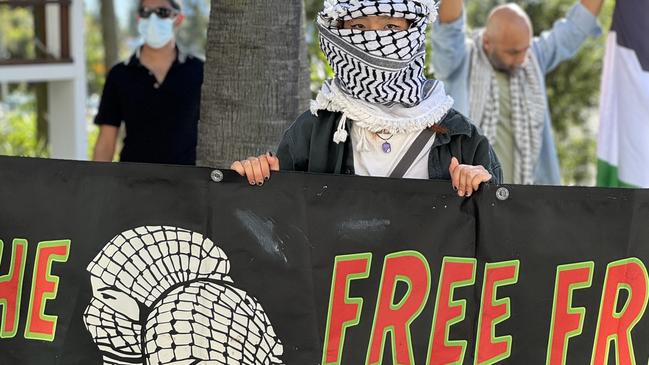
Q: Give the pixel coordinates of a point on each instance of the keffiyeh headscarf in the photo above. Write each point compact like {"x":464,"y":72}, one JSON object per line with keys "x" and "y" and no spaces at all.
{"x":379,"y":72}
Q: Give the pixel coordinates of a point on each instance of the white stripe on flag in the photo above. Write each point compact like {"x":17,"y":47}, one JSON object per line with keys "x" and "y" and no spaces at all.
{"x":624,"y":115}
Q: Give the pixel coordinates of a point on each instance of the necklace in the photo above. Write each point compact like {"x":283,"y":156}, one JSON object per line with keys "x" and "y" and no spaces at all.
{"x":387,"y":147}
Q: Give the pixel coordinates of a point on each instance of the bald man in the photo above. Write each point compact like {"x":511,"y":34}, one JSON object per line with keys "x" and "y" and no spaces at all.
{"x":497,"y":76}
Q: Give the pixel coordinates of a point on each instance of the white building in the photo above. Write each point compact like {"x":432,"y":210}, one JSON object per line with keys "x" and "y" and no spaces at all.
{"x":64,"y":71}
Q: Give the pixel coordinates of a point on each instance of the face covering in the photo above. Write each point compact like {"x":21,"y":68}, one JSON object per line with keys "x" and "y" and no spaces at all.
{"x":382,"y":67}
{"x":156,"y":32}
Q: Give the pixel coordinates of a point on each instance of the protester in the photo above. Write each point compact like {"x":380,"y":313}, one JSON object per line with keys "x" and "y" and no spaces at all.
{"x":156,"y":94}
{"x":380,"y":116}
{"x":497,"y":78}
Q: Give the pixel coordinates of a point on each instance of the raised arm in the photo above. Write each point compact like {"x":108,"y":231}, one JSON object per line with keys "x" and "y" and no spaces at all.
{"x":448,"y":39}
{"x":567,"y":35}
{"x":594,"y":6}
{"x":451,"y":10}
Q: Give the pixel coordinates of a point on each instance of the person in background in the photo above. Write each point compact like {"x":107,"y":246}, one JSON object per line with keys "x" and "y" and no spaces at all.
{"x":156,"y":94}
{"x":496,"y":77}
{"x":380,"y":116}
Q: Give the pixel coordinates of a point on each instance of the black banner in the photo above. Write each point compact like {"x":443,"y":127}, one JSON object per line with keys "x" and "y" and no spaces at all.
{"x":142,"y":264}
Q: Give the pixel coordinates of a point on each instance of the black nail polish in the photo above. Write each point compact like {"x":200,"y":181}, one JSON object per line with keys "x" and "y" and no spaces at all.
{"x":260,"y":184}
{"x":270,"y":154}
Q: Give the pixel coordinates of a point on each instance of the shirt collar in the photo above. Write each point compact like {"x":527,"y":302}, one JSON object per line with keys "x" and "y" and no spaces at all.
{"x":456,"y":124}
{"x":134,"y":60}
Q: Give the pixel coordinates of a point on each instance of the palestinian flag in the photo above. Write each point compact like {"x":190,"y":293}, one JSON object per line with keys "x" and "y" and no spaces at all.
{"x":623,"y":148}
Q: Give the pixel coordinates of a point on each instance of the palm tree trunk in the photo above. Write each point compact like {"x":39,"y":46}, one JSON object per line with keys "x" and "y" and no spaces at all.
{"x":256,"y":78}
{"x":109,"y":33}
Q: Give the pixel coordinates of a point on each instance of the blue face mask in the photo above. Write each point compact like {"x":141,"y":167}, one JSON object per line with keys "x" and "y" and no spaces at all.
{"x":155,"y":31}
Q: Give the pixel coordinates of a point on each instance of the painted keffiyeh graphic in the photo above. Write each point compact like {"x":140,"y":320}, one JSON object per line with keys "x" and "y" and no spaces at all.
{"x":163,"y":295}
{"x":380,"y":83}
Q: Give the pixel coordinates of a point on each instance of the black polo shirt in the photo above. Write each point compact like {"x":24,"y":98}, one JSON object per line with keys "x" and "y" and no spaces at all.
{"x":161,"y":119}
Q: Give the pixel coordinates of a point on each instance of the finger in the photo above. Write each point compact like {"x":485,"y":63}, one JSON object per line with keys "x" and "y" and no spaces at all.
{"x":483,"y":177}
{"x":238,"y":167}
{"x":476,"y":181}
{"x":273,"y":161}
{"x":455,"y":172}
{"x":471,"y":185}
{"x":256,"y":168}
{"x":486,"y":177}
{"x":454,"y":163}
{"x":469,"y":190}
{"x":463,"y":180}
{"x":250,"y":174}
{"x":480,"y":176}
{"x":265,"y":167}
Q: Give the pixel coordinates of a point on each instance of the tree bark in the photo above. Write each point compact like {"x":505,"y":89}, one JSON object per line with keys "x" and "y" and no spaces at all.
{"x":109,"y":33}
{"x":256,"y":78}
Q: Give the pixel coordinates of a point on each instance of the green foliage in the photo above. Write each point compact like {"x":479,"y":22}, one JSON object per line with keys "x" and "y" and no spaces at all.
{"x":93,"y":133}
{"x":18,"y":132}
{"x":192,"y":35}
{"x":320,"y":69}
{"x":19,"y":127}
{"x":95,"y":68}
{"x":16,"y":33}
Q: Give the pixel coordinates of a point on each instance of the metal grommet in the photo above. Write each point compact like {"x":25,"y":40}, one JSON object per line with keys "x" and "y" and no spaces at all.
{"x":502,"y":194}
{"x":217,"y":176}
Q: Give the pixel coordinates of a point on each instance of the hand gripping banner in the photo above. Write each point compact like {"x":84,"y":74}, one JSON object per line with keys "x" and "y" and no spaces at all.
{"x":144,"y":264}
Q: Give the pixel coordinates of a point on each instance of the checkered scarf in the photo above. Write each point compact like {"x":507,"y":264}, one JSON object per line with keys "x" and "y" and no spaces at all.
{"x":384,"y":66}
{"x":528,"y":108}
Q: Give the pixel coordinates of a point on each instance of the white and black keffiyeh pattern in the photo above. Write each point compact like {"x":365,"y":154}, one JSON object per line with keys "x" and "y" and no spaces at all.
{"x":380,"y":82}
{"x":163,"y":295}
{"x":377,"y":66}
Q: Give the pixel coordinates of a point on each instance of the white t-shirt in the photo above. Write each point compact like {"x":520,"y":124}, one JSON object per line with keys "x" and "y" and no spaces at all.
{"x":373,"y":161}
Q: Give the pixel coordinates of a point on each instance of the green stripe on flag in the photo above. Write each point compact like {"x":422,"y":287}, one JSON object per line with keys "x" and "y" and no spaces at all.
{"x":607,"y":176}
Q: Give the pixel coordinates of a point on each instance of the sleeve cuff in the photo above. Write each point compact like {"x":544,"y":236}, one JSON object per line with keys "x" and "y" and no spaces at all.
{"x":454,"y":26}
{"x":584,"y":20}
{"x":103,"y":121}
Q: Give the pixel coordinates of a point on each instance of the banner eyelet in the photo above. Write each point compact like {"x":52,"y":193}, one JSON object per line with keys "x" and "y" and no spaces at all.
{"x":216,"y":176}
{"x":502,"y":194}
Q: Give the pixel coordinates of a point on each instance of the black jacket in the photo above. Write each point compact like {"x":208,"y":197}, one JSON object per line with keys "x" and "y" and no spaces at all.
{"x":308,"y":146}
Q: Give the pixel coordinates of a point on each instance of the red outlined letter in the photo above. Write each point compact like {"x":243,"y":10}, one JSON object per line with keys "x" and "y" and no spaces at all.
{"x":456,"y":272}
{"x":11,"y":288}
{"x":629,"y":275}
{"x":489,"y":348}
{"x":344,"y":311}
{"x":44,"y":287}
{"x":409,"y":267}
{"x":567,"y":321}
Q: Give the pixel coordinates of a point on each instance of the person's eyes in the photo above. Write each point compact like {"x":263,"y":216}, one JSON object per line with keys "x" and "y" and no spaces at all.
{"x":358,"y":26}
{"x":394,"y":27}
{"x":516,"y":52}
